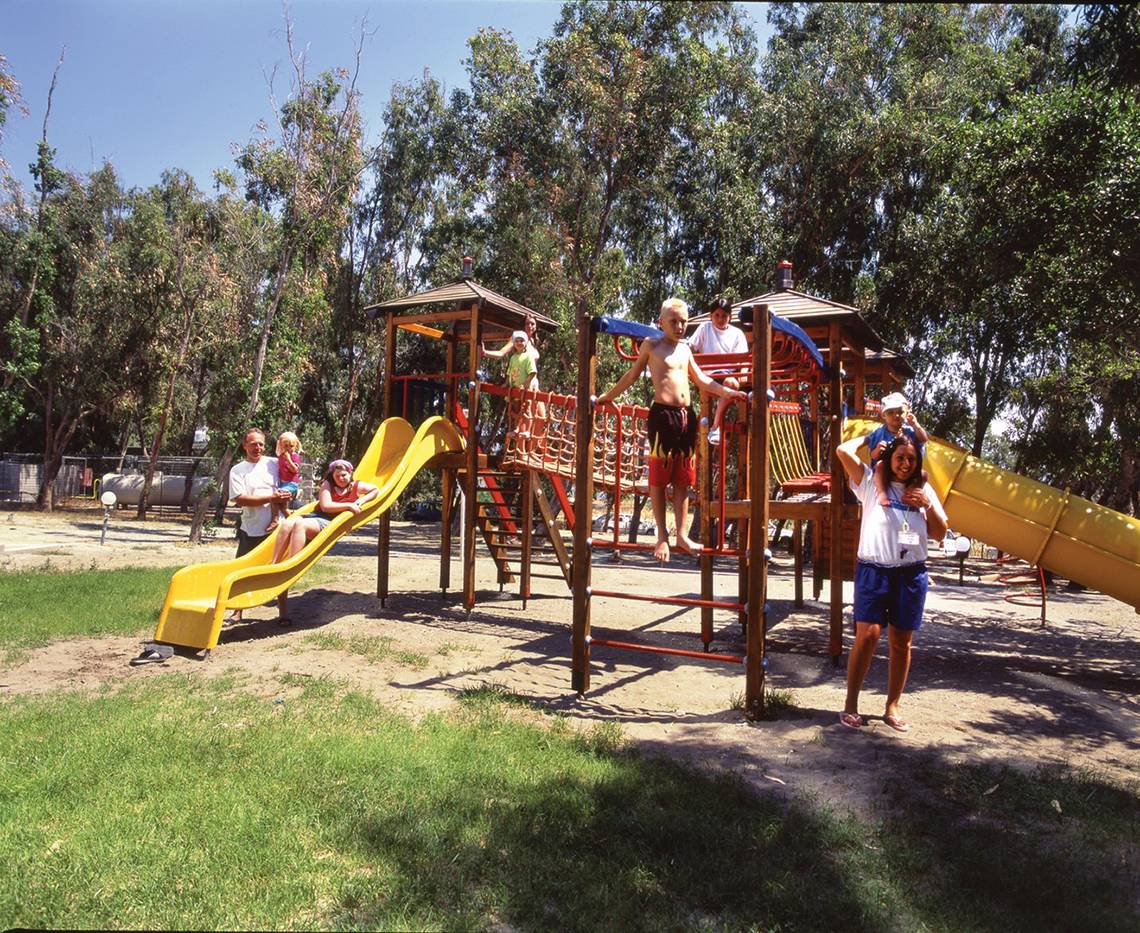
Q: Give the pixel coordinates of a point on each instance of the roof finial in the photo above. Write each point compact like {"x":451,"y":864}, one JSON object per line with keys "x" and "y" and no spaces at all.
{"x":466,"y":274}
{"x":784,"y":275}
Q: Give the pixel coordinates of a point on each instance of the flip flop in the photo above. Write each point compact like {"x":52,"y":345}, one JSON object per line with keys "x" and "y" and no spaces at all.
{"x":155,"y":654}
{"x":897,"y":723}
{"x":851,"y":720}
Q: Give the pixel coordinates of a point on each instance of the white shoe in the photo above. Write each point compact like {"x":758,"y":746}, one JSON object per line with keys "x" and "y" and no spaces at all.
{"x":714,"y":436}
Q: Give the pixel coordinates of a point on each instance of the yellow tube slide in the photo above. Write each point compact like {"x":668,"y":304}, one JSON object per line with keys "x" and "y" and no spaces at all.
{"x":1071,"y":536}
{"x":200,"y":594}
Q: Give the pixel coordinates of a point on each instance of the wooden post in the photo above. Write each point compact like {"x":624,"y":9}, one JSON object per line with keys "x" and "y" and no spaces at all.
{"x":471,"y":483}
{"x":798,"y":549}
{"x":447,"y":479}
{"x":838,"y":482}
{"x":859,"y":374}
{"x":704,"y":500}
{"x":758,"y":513}
{"x":384,"y":524}
{"x":583,"y":501}
{"x":527,"y":493}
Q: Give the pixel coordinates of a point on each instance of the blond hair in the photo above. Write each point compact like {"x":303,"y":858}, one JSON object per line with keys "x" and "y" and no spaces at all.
{"x":288,"y":441}
{"x":673,"y":303}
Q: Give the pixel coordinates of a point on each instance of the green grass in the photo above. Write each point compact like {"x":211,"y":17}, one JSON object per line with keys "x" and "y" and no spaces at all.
{"x":375,"y":648}
{"x":38,"y":607}
{"x":182,"y":803}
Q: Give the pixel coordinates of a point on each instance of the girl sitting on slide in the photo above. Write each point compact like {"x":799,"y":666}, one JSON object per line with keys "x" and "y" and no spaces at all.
{"x":339,"y":493}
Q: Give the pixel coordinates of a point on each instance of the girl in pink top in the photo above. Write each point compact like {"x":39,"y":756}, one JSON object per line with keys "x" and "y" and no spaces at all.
{"x":288,"y":472}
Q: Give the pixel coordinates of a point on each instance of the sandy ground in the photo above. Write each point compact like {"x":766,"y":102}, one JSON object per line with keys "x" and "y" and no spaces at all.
{"x":989,"y":683}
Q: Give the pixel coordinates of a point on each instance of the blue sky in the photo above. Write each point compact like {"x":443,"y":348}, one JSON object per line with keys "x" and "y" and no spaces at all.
{"x":157,"y":84}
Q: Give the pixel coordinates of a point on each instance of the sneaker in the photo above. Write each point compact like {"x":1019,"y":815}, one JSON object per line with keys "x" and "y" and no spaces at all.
{"x":714,"y":436}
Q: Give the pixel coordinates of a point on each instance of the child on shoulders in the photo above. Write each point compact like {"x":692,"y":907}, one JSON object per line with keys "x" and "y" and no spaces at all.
{"x":897,"y":419}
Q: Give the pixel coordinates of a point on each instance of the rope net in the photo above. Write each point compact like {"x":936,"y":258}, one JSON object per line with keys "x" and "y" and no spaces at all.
{"x":621,"y":438}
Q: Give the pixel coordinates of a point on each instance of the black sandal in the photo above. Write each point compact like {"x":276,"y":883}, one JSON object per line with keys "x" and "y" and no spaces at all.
{"x":154,"y":654}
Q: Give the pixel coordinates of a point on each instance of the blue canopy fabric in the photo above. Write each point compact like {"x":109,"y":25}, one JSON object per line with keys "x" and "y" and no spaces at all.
{"x":796,"y":332}
{"x":623,"y":328}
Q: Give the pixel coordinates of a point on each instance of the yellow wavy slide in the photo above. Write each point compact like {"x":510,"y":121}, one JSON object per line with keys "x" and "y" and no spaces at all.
{"x":1071,"y":536}
{"x":200,"y":594}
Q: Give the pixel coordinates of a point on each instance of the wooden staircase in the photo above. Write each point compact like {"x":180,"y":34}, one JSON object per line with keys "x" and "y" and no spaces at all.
{"x":509,"y":502}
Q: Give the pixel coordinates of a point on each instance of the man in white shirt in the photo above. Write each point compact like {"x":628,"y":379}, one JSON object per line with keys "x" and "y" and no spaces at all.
{"x":716,"y":335}
{"x":253,"y":486}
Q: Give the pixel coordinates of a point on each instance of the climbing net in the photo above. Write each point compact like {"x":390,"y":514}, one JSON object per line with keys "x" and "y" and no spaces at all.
{"x":621,"y":437}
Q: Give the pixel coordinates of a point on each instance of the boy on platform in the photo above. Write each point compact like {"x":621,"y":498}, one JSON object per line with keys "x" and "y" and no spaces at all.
{"x":672,"y":421}
{"x":898,"y":419}
{"x":717,"y":335}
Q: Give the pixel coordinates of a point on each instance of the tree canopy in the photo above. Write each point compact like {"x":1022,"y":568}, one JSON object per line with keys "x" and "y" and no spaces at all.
{"x":967,"y":175}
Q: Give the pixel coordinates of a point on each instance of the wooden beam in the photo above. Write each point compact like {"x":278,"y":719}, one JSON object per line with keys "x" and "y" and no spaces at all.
{"x":527,"y":533}
{"x":461,"y":315}
{"x":447,"y":482}
{"x":758,"y":519}
{"x":384,"y":523}
{"x":838,"y":482}
{"x":583,"y":501}
{"x":471,"y":484}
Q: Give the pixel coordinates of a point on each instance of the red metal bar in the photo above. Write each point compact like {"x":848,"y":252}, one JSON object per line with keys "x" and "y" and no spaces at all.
{"x":679,"y":652}
{"x":672,"y":600}
{"x":720,"y":485}
{"x":617,"y":484}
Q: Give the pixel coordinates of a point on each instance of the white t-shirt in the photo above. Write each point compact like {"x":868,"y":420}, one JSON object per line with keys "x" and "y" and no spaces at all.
{"x":708,"y":339}
{"x":254,"y":479}
{"x":879,"y":530}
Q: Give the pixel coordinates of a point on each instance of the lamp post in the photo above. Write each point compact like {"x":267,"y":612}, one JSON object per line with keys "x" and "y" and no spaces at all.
{"x":962,"y":546}
{"x":108,"y":499}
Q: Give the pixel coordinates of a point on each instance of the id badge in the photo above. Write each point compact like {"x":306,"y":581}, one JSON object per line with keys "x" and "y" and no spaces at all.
{"x":908,"y":538}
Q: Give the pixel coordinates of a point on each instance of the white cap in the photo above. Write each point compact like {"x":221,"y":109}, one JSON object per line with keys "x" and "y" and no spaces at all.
{"x":519,"y":335}
{"x":894,"y":400}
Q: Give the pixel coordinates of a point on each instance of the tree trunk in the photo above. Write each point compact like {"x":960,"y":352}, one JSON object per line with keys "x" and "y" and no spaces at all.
{"x":123,"y":445}
{"x":266,"y":330}
{"x":55,"y":447}
{"x":221,"y":484}
{"x":354,"y":376}
{"x":164,"y":415}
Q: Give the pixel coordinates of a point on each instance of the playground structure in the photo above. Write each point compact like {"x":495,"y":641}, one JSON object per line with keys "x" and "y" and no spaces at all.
{"x":773,"y":464}
{"x":503,"y":497}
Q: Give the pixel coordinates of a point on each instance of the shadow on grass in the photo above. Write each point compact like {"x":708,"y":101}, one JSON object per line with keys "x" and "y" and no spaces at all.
{"x":654,"y":845}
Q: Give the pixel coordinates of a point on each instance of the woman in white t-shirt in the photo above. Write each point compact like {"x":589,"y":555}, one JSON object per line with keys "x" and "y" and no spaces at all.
{"x":890,"y":568}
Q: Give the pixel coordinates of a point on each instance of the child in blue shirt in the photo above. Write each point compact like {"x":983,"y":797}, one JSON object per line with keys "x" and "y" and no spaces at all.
{"x":898,"y":419}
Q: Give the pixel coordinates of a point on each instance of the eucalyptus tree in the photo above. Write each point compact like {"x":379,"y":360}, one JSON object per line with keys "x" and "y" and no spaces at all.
{"x":175,"y":274}
{"x":83,"y":350}
{"x":307,"y":174}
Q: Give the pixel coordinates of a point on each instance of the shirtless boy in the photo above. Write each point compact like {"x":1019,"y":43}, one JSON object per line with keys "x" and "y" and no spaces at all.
{"x":672,"y":421}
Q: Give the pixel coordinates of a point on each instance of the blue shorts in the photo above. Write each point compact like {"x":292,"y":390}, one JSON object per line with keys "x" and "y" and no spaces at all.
{"x":890,"y":595}
{"x":288,"y":487}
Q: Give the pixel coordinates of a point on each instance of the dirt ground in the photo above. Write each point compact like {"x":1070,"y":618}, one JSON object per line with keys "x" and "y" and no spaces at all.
{"x":989,"y":683}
